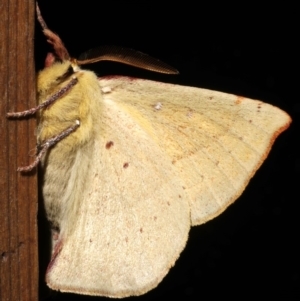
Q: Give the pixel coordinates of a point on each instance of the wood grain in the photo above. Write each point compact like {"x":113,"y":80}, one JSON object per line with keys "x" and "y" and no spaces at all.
{"x":18,"y":213}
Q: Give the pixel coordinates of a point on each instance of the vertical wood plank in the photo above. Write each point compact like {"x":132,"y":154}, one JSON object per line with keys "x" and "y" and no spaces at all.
{"x":18,"y":214}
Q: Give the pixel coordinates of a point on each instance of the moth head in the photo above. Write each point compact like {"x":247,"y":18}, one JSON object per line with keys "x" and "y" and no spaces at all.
{"x":55,"y":73}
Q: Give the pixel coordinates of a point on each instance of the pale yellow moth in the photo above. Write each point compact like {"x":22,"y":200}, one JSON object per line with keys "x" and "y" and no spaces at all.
{"x":130,"y":165}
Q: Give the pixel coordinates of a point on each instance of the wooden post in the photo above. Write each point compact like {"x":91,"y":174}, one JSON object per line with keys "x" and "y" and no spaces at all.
{"x":18,"y":202}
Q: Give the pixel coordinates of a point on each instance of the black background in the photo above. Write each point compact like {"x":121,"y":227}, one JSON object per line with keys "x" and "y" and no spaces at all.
{"x":251,"y":249}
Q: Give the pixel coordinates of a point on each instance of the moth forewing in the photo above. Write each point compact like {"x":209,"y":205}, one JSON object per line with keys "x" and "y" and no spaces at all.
{"x":203,"y":130}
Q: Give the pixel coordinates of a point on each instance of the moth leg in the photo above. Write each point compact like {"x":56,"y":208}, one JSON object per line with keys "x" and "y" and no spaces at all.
{"x":49,"y":143}
{"x":47,"y":102}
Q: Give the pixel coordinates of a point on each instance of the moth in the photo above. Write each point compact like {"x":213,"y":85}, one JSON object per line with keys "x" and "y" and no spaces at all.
{"x":129,"y":165}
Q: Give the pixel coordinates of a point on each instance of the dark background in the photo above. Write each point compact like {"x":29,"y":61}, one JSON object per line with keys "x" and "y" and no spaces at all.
{"x":252,"y":248}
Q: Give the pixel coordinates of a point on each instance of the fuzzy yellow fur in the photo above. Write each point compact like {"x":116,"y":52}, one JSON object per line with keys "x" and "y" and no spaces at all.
{"x":67,"y":163}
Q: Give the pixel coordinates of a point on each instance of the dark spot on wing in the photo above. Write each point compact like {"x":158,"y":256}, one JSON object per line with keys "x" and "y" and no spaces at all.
{"x":125,"y":165}
{"x":238,"y":100}
{"x":109,"y":144}
{"x":258,"y":107}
